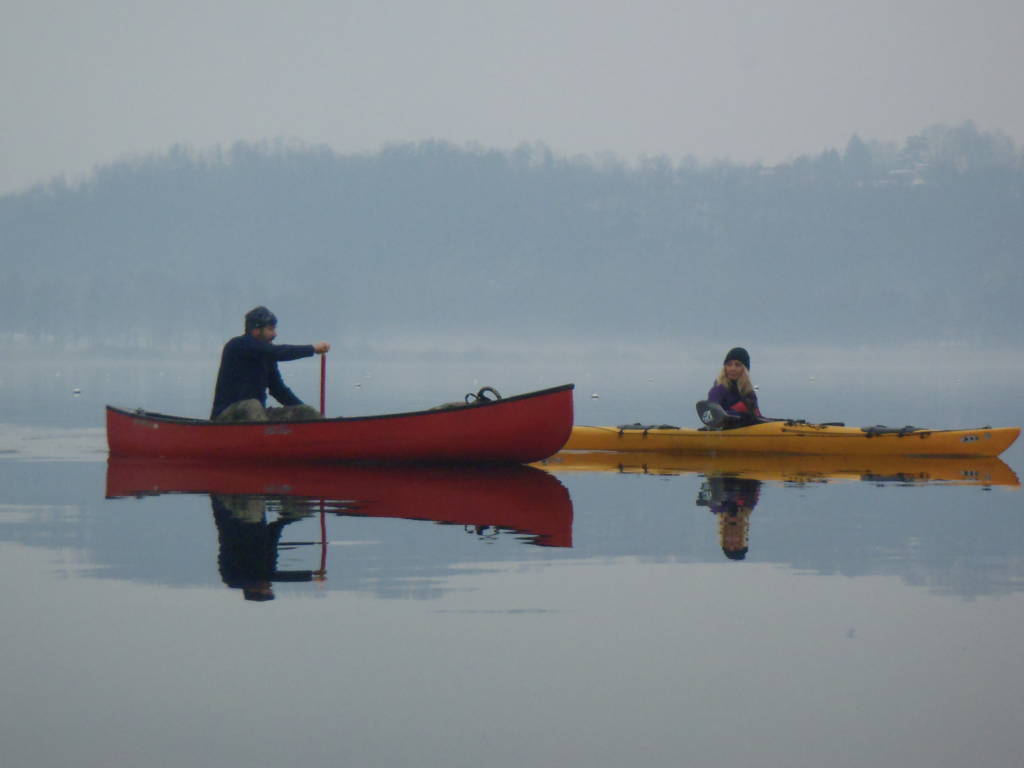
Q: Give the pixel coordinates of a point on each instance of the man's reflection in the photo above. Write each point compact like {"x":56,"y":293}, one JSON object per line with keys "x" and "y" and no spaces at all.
{"x":248,"y":543}
{"x":731,"y":500}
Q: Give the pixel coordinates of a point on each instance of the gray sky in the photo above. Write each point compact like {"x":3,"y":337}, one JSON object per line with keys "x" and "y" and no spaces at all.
{"x":87,"y":82}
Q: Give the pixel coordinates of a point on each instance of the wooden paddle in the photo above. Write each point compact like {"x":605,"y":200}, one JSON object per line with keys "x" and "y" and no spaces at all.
{"x":321,"y":575}
{"x":323,"y":384}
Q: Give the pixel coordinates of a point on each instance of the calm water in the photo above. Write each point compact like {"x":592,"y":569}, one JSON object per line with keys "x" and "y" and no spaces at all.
{"x":562,"y":615}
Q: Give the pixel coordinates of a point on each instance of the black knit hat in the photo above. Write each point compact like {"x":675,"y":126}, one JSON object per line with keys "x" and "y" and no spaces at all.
{"x":740,"y":355}
{"x":259,"y":317}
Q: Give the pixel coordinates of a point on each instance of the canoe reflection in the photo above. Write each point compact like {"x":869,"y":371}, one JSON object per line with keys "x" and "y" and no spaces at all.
{"x":244,"y":497}
{"x":782,"y":468}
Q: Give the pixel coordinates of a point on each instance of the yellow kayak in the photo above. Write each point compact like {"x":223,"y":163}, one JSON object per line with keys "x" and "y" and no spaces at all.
{"x":793,"y":468}
{"x":794,"y":437}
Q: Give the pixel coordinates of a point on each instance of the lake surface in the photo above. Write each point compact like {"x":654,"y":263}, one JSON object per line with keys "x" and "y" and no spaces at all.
{"x":557,"y":615}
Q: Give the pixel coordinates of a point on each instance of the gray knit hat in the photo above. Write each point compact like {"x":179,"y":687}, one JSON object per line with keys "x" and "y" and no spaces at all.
{"x":259,"y":317}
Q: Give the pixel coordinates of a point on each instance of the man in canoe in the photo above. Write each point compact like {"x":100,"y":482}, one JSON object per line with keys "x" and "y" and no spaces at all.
{"x":248,"y":370}
{"x":734,"y":391}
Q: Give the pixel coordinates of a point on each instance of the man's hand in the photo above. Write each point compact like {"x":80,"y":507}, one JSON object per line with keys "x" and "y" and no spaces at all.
{"x":321,"y":347}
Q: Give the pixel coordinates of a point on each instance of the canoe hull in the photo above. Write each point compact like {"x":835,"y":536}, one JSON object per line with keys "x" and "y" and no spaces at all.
{"x":795,"y":438}
{"x":519,"y":429}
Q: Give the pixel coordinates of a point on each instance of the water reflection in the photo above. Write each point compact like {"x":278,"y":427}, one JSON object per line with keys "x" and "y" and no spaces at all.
{"x":248,"y":544}
{"x":853,"y":528}
{"x":931,"y":523}
{"x":795,"y":469}
{"x":253,"y":504}
{"x":732,"y":500}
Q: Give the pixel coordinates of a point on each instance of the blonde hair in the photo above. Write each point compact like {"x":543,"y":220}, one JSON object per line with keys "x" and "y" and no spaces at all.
{"x":746,"y":388}
{"x":734,"y":531}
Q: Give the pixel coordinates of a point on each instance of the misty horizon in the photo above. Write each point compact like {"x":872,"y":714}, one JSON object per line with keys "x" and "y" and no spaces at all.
{"x":753,"y":82}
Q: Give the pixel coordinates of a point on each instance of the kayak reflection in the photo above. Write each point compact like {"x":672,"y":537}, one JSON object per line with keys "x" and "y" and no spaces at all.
{"x":782,"y":468}
{"x":732,"y":483}
{"x":245,"y":496}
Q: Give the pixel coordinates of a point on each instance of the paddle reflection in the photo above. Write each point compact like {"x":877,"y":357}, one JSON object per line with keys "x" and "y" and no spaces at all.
{"x":253,"y":504}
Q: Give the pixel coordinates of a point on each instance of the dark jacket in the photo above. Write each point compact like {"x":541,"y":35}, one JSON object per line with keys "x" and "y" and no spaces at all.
{"x":248,"y":369}
{"x":732,"y":401}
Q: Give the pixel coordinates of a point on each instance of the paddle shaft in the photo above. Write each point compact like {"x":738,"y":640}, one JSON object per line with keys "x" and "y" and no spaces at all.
{"x":323,"y":384}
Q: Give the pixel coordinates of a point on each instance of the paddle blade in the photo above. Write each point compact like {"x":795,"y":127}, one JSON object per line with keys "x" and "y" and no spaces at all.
{"x":712,"y":415}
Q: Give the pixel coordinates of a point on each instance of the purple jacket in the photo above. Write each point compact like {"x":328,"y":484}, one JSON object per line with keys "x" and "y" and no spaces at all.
{"x":729,"y":398}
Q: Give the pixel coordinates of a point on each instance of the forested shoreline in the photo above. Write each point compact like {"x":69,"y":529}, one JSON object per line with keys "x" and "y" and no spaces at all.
{"x":867,"y":242}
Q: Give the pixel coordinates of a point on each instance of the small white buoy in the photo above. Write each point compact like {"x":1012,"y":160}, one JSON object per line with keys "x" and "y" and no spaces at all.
{"x":594,"y":396}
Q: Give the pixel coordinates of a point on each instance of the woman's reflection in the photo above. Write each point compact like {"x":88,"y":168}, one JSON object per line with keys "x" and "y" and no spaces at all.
{"x":731,"y":499}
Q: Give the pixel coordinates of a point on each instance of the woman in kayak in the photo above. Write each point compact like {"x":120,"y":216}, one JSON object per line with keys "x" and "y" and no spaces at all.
{"x":733,"y":391}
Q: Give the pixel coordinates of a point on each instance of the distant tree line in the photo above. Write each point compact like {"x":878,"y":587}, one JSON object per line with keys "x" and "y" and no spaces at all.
{"x":916,"y":241}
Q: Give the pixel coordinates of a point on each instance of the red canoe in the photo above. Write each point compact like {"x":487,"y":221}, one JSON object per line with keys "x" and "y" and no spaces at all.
{"x":523,"y":499}
{"x":519,"y":429}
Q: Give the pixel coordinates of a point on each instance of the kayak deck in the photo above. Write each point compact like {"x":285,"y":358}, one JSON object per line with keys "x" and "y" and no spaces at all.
{"x":789,"y":437}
